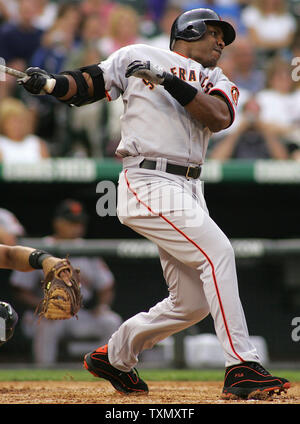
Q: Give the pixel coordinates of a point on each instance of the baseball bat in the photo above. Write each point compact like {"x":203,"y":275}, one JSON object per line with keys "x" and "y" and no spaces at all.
{"x":48,"y":87}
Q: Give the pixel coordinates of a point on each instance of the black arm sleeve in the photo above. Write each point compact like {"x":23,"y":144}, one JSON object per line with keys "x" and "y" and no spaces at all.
{"x":82,"y":96}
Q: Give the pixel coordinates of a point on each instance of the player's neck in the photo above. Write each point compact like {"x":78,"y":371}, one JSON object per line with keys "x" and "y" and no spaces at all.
{"x":183,"y":50}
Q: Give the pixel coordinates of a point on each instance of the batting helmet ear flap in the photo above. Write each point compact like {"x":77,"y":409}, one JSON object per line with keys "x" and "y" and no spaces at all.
{"x":190,"y":32}
{"x":191,"y":26}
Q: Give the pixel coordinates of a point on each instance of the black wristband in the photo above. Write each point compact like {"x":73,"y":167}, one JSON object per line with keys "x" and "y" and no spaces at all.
{"x":61,"y":87}
{"x":37,"y":257}
{"x":183,"y":92}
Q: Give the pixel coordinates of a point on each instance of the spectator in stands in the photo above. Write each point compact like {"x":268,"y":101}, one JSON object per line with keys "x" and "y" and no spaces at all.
{"x":295,"y":154}
{"x":95,"y":319}
{"x":90,"y":34}
{"x":230,"y":10}
{"x":87,"y":125}
{"x":270,"y":25}
{"x":280,"y":101}
{"x":10,"y":228}
{"x":188,"y":4}
{"x":17,"y":140}
{"x":8,"y":10}
{"x":123,"y":30}
{"x":98,"y":8}
{"x":58,"y":40}
{"x":46,"y":14}
{"x":165,"y":23}
{"x":227,"y":64}
{"x":19,"y":40}
{"x":157,"y":8}
{"x":295,"y":59}
{"x":252,"y":139}
{"x":247,"y":74}
{"x":52,"y":53}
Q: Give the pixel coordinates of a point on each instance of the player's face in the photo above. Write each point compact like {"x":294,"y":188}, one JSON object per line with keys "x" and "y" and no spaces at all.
{"x":65,"y":229}
{"x":208,"y":49}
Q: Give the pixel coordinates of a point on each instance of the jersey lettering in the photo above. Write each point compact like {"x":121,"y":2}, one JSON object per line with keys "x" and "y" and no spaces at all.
{"x":208,"y":87}
{"x":191,"y":76}
{"x":182,"y":74}
{"x":203,"y":82}
{"x":173,"y":70}
{"x":149,"y":84}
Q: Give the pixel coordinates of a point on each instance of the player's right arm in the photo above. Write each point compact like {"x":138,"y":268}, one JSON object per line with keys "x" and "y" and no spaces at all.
{"x":77,"y":87}
{"x":86,"y":84}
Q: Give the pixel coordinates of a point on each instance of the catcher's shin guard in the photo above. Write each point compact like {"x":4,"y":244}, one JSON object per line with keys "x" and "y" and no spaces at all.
{"x":249,"y":380}
{"x":97,"y":363}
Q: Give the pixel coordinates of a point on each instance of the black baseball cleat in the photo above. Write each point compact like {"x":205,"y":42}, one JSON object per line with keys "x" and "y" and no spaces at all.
{"x":97,"y":363}
{"x":250,"y":380}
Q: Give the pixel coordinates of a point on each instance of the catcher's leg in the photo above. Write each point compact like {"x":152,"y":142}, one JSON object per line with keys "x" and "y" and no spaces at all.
{"x":46,"y":339}
{"x":90,"y":324}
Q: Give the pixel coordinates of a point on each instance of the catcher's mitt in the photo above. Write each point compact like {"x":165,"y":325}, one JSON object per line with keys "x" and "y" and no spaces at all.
{"x":62,"y":296}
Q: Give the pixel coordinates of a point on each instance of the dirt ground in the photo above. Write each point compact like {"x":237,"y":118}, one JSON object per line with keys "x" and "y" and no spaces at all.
{"x":71,"y":392}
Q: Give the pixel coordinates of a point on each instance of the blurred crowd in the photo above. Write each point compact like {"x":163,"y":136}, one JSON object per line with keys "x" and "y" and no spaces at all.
{"x":57,"y":35}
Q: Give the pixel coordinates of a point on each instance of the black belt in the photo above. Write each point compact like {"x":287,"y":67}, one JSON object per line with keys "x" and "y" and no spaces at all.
{"x":186,"y":171}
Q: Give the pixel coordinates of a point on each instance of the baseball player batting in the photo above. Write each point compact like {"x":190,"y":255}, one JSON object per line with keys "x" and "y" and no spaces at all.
{"x":173,"y":101}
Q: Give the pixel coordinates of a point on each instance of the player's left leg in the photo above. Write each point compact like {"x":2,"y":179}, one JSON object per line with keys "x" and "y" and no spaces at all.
{"x":173,"y":214}
{"x":185,"y":306}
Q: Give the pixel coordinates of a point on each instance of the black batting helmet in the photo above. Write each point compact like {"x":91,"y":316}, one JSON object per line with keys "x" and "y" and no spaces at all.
{"x":191,"y":25}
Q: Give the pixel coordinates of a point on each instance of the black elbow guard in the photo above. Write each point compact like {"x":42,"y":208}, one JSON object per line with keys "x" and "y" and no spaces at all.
{"x":83,"y":97}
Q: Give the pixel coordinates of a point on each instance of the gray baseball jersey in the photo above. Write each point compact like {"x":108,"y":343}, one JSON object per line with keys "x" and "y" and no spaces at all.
{"x":154,"y":124}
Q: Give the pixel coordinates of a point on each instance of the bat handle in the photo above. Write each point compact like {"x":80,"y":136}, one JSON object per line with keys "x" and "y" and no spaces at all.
{"x":49,"y":86}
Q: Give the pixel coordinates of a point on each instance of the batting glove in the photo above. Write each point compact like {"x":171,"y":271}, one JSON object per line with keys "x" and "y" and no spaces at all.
{"x":35,"y":81}
{"x":146,"y":70}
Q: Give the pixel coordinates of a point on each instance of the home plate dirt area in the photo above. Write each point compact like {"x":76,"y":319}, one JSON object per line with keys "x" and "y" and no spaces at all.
{"x":101,"y":392}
